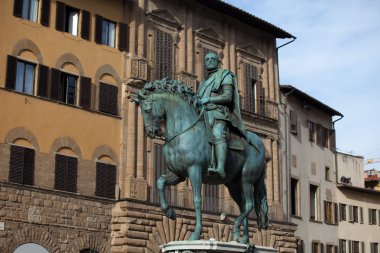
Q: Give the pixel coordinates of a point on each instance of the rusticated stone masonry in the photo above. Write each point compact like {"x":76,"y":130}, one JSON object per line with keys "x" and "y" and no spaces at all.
{"x":140,"y":228}
{"x":59,"y":221}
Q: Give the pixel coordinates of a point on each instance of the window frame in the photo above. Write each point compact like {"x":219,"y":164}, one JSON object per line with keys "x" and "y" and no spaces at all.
{"x":28,"y":12}
{"x":64,"y":89}
{"x":107,"y":42}
{"x":316,"y":212}
{"x":25,"y":63}
{"x":295,"y":195}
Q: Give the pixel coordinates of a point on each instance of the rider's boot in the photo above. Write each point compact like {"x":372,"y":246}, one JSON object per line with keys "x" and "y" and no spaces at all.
{"x":221,"y":154}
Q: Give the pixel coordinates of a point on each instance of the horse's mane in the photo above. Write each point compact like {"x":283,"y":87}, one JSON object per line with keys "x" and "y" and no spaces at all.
{"x":170,"y":87}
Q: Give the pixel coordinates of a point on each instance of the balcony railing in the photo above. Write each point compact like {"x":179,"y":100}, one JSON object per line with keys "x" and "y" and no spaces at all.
{"x":262,"y":107}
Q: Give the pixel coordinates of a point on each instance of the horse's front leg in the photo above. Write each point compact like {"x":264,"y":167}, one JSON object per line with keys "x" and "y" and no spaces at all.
{"x":167,"y":178}
{"x":195,"y":176}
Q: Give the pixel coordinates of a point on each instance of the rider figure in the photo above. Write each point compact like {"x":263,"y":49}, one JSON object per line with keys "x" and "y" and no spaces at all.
{"x":219,"y":96}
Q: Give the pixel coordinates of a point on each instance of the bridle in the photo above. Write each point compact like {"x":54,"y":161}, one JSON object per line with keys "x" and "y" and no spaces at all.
{"x":155,"y":122}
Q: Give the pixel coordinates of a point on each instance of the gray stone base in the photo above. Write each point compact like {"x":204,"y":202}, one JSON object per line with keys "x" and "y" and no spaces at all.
{"x":212,"y":246}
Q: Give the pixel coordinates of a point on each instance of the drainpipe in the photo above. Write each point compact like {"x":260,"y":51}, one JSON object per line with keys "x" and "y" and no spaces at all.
{"x":336,"y":153}
{"x":287,"y":149}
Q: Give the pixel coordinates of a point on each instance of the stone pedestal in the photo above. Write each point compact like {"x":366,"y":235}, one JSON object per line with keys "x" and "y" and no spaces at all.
{"x":212,"y":246}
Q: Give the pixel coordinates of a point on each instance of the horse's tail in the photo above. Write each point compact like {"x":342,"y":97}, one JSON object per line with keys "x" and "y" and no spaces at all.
{"x":261,"y":204}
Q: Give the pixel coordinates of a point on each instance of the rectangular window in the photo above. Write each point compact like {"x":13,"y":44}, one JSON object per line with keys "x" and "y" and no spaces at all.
{"x":25,"y":77}
{"x":329,"y":248}
{"x":361,"y":215}
{"x":372,"y":216}
{"x":65,"y":173}
{"x":342,"y":211}
{"x":325,"y":137}
{"x":68,"y":88}
{"x":30,"y":10}
{"x":72,"y":19}
{"x":330,"y":212}
{"x":108,"y":32}
{"x":294,"y":185}
{"x":354,"y":246}
{"x":374,"y":247}
{"x":164,"y":46}
{"x":342,"y":246}
{"x":316,"y":247}
{"x":314,"y":202}
{"x":327,"y":174}
{"x":293,"y":122}
{"x":311,"y":126}
{"x":105,"y":180}
{"x":21,"y":165}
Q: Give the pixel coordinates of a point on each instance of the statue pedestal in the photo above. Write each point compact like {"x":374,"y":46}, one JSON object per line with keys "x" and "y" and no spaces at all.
{"x":212,"y":246}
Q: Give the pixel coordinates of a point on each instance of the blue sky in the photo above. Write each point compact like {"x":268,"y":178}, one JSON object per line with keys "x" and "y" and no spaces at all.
{"x":335,"y":59}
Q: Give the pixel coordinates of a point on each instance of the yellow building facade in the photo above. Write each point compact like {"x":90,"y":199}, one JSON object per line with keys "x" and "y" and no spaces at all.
{"x":77,"y":172}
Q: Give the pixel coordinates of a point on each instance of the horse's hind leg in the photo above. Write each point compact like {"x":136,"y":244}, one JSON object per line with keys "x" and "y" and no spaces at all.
{"x":248,"y":207}
{"x":236,"y":193}
{"x":167,"y":178}
{"x":261,"y":205}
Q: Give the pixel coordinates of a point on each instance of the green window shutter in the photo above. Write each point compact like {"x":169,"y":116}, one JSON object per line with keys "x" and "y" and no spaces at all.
{"x":17,"y":8}
{"x":103,"y":97}
{"x":55,"y":84}
{"x":111,"y":181}
{"x":60,"y":19}
{"x":123,"y":37}
{"x":112,"y":99}
{"x":45,"y":13}
{"x":60,"y":172}
{"x":72,"y":174}
{"x":16,"y":164}
{"x":101,"y":177}
{"x":10,"y":79}
{"x":43,"y":81}
{"x":86,"y":25}
{"x":28,"y":174}
{"x":85,"y":92}
{"x":98,"y":29}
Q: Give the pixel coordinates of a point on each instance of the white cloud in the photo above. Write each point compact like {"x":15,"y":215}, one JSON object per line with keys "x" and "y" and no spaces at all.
{"x":335,"y":59}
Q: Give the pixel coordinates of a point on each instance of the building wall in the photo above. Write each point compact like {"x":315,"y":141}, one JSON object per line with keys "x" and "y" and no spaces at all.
{"x":351,"y":166}
{"x":306,"y":161}
{"x":49,"y":127}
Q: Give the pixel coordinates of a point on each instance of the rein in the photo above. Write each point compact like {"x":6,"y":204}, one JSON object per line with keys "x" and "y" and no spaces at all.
{"x":169,"y":139}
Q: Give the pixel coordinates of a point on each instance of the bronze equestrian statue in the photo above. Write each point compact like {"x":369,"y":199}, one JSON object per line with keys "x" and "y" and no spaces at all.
{"x":188,"y":152}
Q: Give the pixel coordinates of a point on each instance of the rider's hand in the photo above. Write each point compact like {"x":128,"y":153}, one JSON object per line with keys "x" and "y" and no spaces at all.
{"x":203,"y":101}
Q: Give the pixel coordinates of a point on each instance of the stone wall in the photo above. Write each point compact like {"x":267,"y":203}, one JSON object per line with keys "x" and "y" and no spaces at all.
{"x":59,"y":221}
{"x":140,"y":228}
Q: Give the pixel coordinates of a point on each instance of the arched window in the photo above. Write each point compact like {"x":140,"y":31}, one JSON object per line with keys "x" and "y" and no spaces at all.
{"x":30,"y":248}
{"x":21,"y":162}
{"x":108,"y":95}
{"x":66,"y":170}
{"x":105,"y":177}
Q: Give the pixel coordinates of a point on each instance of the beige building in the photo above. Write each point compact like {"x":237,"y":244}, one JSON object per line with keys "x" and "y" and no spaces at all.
{"x":324,"y":188}
{"x":77,"y":173}
{"x":308,"y":145}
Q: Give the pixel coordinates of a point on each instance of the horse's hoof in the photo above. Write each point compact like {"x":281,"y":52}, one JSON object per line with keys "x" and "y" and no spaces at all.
{"x":244,"y":240}
{"x":194,"y":236}
{"x":170,"y":213}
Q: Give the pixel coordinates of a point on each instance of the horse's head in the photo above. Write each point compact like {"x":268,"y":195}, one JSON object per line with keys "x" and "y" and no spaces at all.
{"x":153,"y":114}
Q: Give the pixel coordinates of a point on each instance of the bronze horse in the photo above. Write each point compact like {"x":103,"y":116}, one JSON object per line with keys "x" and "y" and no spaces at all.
{"x":188,"y":153}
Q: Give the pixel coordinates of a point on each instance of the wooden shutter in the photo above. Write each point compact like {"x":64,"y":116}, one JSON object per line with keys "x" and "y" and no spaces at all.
{"x":60,"y":18}
{"x":350,"y":213}
{"x":112,"y":99}
{"x":250,"y":79}
{"x":361,"y":215}
{"x":293,"y":122}
{"x":45,"y":13}
{"x":98,"y":29}
{"x":319,"y":134}
{"x":85,"y":92}
{"x":55,"y":84}
{"x":261,"y":105}
{"x":43,"y":81}
{"x":370,"y":222}
{"x":111,"y":181}
{"x":60,"y":172}
{"x":163,"y":55}
{"x":16,"y":164}
{"x":326,"y":211}
{"x":123,"y":37}
{"x":332,"y":139}
{"x":335,"y":213}
{"x":103,"y":97}
{"x":17,"y":8}
{"x":28,"y":174}
{"x":363,"y":247}
{"x":101,"y":176}
{"x":86,"y":24}
{"x":10,"y":80}
{"x":72,"y":171}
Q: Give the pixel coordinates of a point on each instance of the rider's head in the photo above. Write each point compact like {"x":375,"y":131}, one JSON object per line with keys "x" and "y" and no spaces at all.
{"x":211,"y":61}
